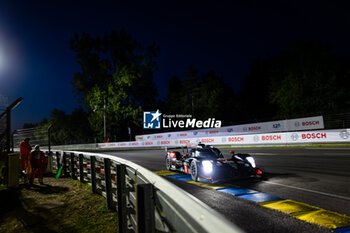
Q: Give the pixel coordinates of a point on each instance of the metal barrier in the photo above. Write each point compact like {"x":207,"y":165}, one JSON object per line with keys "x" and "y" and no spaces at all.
{"x":145,"y":201}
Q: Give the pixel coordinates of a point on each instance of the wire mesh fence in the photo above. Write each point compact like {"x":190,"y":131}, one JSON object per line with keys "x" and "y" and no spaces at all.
{"x":37,"y":136}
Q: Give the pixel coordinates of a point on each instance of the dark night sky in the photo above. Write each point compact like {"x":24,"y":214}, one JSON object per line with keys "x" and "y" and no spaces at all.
{"x":36,"y":63}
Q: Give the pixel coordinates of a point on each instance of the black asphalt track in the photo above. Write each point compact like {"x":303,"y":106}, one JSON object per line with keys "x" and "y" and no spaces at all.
{"x":314,"y":175}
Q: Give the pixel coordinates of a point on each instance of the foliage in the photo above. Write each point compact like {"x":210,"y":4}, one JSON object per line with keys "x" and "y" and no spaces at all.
{"x":66,"y":129}
{"x":305,"y":79}
{"x":204,"y":97}
{"x":116,"y":77}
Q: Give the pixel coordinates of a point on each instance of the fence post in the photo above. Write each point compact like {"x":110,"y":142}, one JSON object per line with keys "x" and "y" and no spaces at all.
{"x":81,"y":167}
{"x":145,"y":208}
{"x":72,"y":173}
{"x":64,"y":161}
{"x":107,"y":169}
{"x":57,"y":160}
{"x":121,"y":194}
{"x":93,"y":173}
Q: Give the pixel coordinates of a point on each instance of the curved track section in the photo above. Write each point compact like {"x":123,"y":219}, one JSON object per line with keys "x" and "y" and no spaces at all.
{"x":316,"y":176}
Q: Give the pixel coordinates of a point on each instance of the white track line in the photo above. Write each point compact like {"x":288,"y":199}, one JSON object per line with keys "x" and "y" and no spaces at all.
{"x":327,"y":148}
{"x":308,"y":190}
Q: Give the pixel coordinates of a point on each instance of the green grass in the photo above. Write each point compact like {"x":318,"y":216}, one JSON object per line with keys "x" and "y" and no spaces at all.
{"x":87,"y":186}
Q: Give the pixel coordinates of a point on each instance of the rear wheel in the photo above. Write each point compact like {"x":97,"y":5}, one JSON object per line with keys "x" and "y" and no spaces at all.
{"x":167,"y":163}
{"x":194,"y":171}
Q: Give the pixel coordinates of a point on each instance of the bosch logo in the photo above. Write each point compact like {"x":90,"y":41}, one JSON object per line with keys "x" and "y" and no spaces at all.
{"x":313,"y":135}
{"x":236,"y":139}
{"x":254,"y":128}
{"x":185,"y":141}
{"x":294,"y":136}
{"x":307,"y":123}
{"x":344,"y":134}
{"x":271,"y":138}
{"x":207,"y":140}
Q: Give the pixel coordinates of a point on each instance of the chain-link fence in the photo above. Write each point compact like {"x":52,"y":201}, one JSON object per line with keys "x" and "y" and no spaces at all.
{"x":37,"y":136}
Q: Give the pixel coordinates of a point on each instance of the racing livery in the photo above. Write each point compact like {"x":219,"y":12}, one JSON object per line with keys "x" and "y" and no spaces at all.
{"x":206,"y":163}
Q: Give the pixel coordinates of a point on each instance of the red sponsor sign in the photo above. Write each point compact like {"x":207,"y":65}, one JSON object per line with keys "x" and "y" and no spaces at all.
{"x":135,"y":144}
{"x":313,"y":135}
{"x":122,"y":144}
{"x":254,"y":128}
{"x":185,"y":141}
{"x":165,"y":142}
{"x":213,"y":132}
{"x":183,"y":134}
{"x":148,"y":143}
{"x":271,"y":137}
{"x":207,"y":140}
{"x":236,"y":139}
{"x":307,"y":123}
{"x":159,"y":136}
{"x":112,"y":144}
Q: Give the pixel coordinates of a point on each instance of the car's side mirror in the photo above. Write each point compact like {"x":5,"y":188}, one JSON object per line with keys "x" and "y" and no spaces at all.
{"x":232,"y":151}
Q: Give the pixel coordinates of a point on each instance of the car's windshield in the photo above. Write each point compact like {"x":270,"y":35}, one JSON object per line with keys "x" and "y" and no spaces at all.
{"x":208,"y":152}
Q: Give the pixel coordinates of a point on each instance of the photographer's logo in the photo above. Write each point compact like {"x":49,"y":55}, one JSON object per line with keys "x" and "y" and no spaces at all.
{"x":151,"y":120}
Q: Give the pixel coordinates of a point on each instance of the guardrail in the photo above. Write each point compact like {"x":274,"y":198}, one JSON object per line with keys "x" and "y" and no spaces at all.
{"x":145,"y":201}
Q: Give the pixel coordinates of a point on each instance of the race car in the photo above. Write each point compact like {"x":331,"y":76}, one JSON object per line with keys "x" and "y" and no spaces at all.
{"x":207,"y":163}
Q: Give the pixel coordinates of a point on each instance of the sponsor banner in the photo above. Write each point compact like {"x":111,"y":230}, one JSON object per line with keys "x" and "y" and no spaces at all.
{"x":321,"y":136}
{"x":305,"y":123}
{"x":309,"y":123}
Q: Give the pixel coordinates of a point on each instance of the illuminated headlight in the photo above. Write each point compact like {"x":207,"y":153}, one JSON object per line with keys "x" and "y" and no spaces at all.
{"x":251,"y":161}
{"x":207,"y":166}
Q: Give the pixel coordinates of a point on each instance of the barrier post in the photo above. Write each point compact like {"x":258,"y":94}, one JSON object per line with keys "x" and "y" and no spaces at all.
{"x":81,"y":167}
{"x":64,"y":161}
{"x":93,"y":173}
{"x":145,"y":208}
{"x":57,"y":160}
{"x":121,"y":194}
{"x":72,"y":173}
{"x":107,"y":169}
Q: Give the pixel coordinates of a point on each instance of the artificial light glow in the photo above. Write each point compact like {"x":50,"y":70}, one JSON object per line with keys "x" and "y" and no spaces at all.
{"x":207,"y":166}
{"x":251,"y":161}
{"x":2,"y":59}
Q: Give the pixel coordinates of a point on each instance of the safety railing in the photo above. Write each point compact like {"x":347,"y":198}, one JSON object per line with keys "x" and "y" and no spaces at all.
{"x":145,"y":201}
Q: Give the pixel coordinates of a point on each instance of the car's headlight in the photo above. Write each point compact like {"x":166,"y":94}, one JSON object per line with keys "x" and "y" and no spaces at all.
{"x":207,"y":166}
{"x":251,"y":161}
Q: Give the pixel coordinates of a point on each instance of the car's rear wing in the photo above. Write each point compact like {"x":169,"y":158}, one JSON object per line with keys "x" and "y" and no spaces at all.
{"x":183,"y":148}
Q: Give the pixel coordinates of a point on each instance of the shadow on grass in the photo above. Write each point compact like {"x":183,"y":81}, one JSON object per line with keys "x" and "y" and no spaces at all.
{"x":13,"y":206}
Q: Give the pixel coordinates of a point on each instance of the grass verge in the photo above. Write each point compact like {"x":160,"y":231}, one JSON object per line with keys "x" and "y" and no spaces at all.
{"x":61,"y":205}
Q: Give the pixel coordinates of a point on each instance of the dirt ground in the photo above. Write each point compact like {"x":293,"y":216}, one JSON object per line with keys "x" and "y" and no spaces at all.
{"x":60,"y":205}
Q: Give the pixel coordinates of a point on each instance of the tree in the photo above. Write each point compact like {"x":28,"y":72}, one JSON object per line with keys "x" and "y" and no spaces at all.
{"x":305,"y":79}
{"x":309,"y":79}
{"x":204,"y":97}
{"x":117,"y":77}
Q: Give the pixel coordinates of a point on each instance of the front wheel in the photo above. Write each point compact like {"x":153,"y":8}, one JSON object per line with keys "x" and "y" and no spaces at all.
{"x":194,"y":171}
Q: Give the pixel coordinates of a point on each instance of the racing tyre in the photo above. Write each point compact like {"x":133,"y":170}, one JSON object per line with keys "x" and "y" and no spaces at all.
{"x":167,"y":163}
{"x":194,"y":171}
